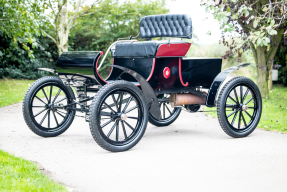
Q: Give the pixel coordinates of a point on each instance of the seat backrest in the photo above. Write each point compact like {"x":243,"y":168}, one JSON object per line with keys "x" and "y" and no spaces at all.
{"x":170,"y":25}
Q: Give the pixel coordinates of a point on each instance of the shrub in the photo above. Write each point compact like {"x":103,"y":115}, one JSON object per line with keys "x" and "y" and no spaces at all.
{"x":282,"y":76}
{"x":16,"y":63}
{"x":281,"y":59}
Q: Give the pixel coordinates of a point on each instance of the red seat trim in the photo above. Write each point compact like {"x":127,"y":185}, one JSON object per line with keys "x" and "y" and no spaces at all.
{"x":169,"y":50}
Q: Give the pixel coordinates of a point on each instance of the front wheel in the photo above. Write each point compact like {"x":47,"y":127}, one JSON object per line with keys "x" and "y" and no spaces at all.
{"x":239,"y":107}
{"x":42,"y":109}
{"x":118,"y":116}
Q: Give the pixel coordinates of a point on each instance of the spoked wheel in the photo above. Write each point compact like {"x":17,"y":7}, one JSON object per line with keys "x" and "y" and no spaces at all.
{"x":239,"y":107}
{"x":118,"y":116}
{"x":168,"y":114}
{"x":42,"y":107}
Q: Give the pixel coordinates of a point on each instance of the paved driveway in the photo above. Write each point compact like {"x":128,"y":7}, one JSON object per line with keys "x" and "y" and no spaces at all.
{"x":193,"y":154}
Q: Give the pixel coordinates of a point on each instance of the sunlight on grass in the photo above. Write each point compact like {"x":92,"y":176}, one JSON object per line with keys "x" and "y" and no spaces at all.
{"x":13,"y":91}
{"x":274,"y":114}
{"x":17,"y":174}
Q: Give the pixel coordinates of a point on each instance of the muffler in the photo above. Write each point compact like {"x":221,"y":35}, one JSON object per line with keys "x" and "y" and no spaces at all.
{"x":180,"y":99}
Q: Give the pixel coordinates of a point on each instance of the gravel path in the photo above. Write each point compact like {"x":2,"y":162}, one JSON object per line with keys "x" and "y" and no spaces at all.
{"x":193,"y":154}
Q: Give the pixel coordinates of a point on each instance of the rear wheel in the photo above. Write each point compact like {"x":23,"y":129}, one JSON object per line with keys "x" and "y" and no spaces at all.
{"x":118,"y":116}
{"x":42,"y":109}
{"x":239,"y":107}
{"x":168,"y":114}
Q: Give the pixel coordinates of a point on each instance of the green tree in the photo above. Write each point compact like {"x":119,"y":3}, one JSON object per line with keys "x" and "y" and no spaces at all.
{"x":63,"y":15}
{"x":22,"y":47}
{"x":111,"y":20}
{"x":16,"y":63}
{"x":20,"y":22}
{"x":259,"y":23}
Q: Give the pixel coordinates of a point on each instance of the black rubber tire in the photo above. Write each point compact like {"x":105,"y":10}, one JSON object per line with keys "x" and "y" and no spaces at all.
{"x":95,"y":118}
{"x":27,"y":111}
{"x":166,"y":121}
{"x":221,"y":107}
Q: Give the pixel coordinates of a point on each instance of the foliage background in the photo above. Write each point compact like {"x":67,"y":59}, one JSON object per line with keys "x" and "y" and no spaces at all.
{"x":23,"y":48}
{"x":281,"y":59}
{"x":16,"y":63}
{"x":22,"y":53}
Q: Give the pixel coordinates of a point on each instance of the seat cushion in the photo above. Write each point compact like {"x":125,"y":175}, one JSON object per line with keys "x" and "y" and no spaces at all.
{"x":140,"y":49}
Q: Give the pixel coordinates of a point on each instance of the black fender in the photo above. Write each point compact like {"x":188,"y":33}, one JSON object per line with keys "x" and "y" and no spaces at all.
{"x":148,"y":92}
{"x":213,"y":91}
{"x":64,"y":77}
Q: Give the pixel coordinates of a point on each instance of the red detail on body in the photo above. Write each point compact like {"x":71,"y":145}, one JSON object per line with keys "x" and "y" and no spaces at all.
{"x":180,"y":75}
{"x":169,"y":50}
{"x":166,"y":72}
{"x":153,"y":66}
{"x":97,"y":66}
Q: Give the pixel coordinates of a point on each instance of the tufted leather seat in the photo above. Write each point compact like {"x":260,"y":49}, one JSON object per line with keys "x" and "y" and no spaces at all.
{"x":156,"y":26}
{"x":166,"y":26}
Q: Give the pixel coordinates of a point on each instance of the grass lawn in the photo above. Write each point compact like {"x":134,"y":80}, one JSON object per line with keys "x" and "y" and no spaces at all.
{"x":274,"y":113}
{"x":13,"y":91}
{"x":17,"y":174}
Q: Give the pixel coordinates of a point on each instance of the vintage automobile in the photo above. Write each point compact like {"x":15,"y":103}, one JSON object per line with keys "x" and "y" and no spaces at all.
{"x":150,"y":81}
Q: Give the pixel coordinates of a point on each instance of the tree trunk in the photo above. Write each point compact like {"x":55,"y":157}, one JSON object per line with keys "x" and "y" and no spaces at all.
{"x":262,"y":73}
{"x":270,"y":82}
{"x":275,"y":42}
{"x":63,"y":22}
{"x":62,"y":29}
{"x":264,"y":78}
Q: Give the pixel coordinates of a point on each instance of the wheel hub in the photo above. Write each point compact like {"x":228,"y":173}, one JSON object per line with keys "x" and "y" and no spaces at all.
{"x":244,"y":107}
{"x":50,"y":106}
{"x":124,"y":117}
